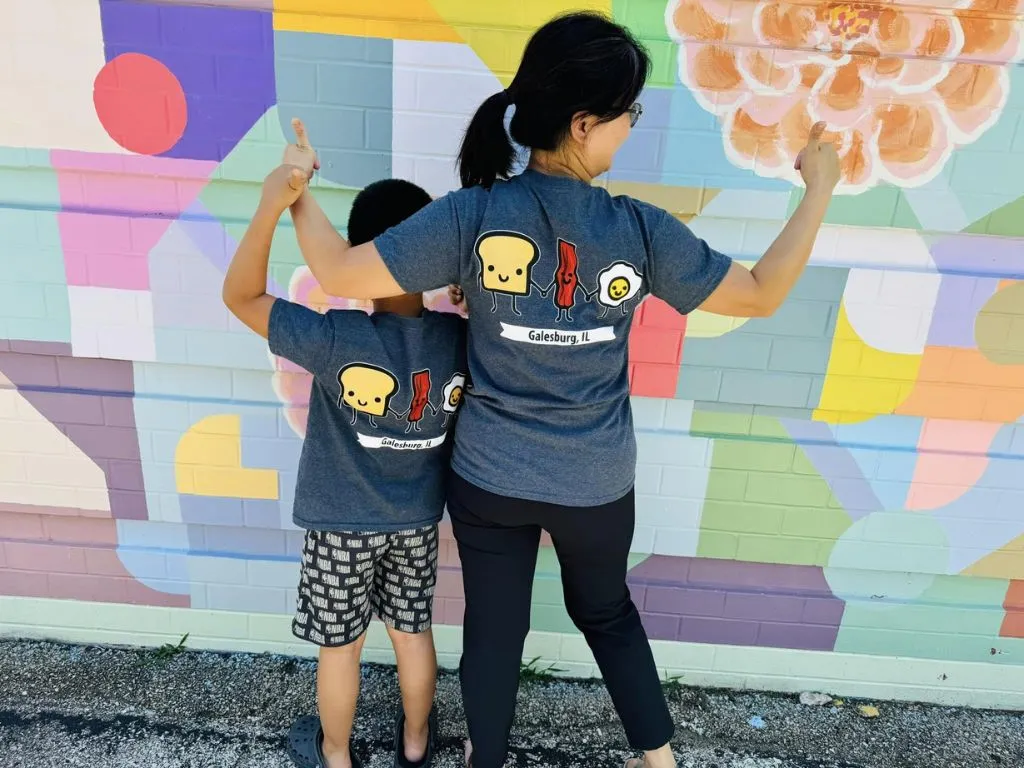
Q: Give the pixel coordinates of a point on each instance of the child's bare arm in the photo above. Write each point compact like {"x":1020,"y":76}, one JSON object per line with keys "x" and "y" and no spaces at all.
{"x":245,"y":284}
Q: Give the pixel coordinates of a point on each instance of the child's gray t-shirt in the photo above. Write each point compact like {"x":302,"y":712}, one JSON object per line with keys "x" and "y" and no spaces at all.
{"x":552,"y":269}
{"x":386,"y":391}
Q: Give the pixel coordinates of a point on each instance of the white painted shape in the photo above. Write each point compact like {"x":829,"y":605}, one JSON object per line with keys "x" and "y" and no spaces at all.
{"x":436,"y":88}
{"x":54,"y":51}
{"x":892,"y":310}
{"x":754,"y":204}
{"x":112,"y":323}
{"x":36,"y":439}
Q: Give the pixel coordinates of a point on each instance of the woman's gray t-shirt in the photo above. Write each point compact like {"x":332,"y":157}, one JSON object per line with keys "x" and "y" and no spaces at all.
{"x":553,"y":270}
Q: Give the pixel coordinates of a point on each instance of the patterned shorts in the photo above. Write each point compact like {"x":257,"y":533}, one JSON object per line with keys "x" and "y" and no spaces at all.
{"x":348,"y":577}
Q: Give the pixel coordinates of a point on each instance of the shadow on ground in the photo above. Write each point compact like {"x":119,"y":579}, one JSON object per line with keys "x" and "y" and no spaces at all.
{"x":101,"y":707}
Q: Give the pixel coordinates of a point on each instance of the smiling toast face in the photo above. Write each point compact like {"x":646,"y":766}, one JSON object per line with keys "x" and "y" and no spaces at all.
{"x":506,"y":259}
{"x":367,"y":389}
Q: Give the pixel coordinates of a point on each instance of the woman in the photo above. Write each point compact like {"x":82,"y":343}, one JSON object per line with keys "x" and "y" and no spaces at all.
{"x":552,"y":270}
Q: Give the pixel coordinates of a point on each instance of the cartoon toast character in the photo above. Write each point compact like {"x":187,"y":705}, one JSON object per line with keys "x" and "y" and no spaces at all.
{"x":616,"y":285}
{"x":566,"y":280}
{"x":453,"y":392}
{"x":506,"y":260}
{"x":366,"y":389}
{"x":420,"y":400}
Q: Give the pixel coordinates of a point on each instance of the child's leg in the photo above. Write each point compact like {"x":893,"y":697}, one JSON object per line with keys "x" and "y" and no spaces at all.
{"x":337,"y":691}
{"x":417,"y":677}
{"x":334,"y":610}
{"x":403,"y":597}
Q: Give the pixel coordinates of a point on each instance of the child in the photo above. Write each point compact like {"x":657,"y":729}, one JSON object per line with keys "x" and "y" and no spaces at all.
{"x":371,"y":479}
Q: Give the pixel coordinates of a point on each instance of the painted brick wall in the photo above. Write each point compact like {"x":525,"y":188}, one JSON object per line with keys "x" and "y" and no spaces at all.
{"x":844,"y":477}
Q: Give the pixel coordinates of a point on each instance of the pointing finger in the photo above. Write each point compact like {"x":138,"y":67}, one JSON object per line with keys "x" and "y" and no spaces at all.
{"x":301,"y":138}
{"x":816,"y":131}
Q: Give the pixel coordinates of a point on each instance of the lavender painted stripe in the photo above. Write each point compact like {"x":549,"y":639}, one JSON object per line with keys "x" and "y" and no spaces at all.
{"x":1003,"y":256}
{"x":731,"y":575}
{"x":834,"y":464}
{"x":736,"y":603}
{"x":797,"y":636}
{"x":956,"y":308}
{"x":51,"y":348}
{"x":213,"y":241}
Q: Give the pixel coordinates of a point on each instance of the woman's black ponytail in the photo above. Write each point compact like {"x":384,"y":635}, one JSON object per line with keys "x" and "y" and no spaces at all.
{"x":487,"y":153}
{"x":580,"y":62}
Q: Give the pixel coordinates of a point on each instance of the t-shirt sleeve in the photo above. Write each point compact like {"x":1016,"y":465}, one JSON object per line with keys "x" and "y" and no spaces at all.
{"x":424,"y":252}
{"x":684,"y":269}
{"x":301,"y":335}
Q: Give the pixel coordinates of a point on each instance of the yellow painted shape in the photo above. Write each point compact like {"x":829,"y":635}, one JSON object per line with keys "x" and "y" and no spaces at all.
{"x":498,"y":32}
{"x":862,"y":382}
{"x":1005,"y":563}
{"x":704,"y":325}
{"x":391,"y":19}
{"x":208,"y":462}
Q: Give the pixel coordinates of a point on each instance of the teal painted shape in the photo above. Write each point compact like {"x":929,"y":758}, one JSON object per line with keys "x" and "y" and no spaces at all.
{"x":957,"y":618}
{"x":33,"y":284}
{"x":341,"y":86}
{"x":777,"y":361}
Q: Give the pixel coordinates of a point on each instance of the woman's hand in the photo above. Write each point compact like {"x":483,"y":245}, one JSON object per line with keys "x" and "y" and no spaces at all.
{"x":286,"y":183}
{"x":301,"y":154}
{"x":818,"y":162}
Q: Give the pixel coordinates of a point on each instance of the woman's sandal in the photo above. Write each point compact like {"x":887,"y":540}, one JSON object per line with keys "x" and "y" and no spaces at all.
{"x":639,"y":762}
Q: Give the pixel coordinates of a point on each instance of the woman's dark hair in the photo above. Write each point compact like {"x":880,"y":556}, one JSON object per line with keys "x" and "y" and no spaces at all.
{"x":580,"y":62}
{"x":382,"y":205}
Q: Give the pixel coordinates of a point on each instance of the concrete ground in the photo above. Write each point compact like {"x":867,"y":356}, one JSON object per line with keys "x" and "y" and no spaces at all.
{"x":114,"y":707}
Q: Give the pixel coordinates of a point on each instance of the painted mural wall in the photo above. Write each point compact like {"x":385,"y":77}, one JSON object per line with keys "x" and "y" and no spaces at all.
{"x":844,"y":476}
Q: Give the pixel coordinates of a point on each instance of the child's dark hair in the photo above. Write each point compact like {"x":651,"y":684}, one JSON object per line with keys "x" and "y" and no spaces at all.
{"x":580,"y":62}
{"x":381,"y":206}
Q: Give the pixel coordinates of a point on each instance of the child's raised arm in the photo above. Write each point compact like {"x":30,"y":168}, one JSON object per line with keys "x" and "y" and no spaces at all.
{"x":245,"y":284}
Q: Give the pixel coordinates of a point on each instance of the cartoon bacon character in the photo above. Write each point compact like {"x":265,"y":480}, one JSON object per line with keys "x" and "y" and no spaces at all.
{"x":566,"y":281}
{"x":420,"y":400}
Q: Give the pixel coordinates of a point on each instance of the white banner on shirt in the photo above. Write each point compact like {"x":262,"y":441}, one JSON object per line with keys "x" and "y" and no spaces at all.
{"x":372,"y":441}
{"x":555,"y":337}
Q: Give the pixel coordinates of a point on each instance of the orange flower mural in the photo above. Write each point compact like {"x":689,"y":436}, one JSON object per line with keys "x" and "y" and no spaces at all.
{"x":900,"y":84}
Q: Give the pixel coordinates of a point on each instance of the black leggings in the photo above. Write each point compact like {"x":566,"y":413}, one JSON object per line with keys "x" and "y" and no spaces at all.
{"x":498,"y":539}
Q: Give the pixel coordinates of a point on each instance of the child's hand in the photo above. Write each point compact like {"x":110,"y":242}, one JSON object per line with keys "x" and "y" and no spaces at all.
{"x":456,"y":296}
{"x":282,"y":187}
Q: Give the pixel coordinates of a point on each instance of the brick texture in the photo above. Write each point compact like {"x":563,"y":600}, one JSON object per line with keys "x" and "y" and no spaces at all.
{"x":843,"y":476}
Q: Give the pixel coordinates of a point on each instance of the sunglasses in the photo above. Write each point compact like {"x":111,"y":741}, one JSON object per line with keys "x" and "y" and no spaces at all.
{"x":634,"y":113}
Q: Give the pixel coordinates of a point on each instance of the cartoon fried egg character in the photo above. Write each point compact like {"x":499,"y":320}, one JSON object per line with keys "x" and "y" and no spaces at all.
{"x":452,"y":395}
{"x":617,"y":284}
{"x":453,"y":392}
{"x":367,"y":389}
{"x":506,"y":261}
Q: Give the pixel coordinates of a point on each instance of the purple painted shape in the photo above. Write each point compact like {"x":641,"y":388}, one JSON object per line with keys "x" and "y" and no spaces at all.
{"x":718,"y":631}
{"x":210,"y":510}
{"x":51,"y":348}
{"x":105,"y":432}
{"x":236,"y":540}
{"x":213,"y":241}
{"x":660,"y":626}
{"x":960,"y":299}
{"x":737,"y":603}
{"x":1003,"y":256}
{"x":223,"y":58}
{"x":641,"y":157}
{"x":836,"y":465}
